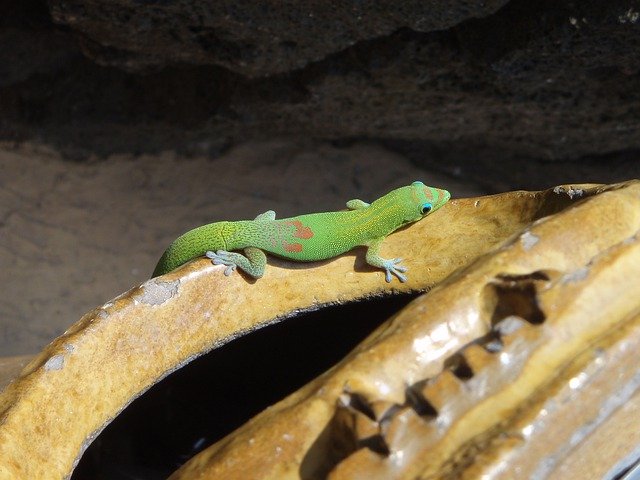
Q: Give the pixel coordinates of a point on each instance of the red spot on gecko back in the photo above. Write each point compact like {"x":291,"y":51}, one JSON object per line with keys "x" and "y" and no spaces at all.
{"x":292,"y":247}
{"x":301,"y":231}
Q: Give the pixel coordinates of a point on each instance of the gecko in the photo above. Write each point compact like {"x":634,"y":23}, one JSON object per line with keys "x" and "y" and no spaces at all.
{"x":310,"y":237}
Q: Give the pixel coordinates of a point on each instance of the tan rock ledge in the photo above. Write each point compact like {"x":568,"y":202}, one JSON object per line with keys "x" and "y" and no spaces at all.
{"x":546,"y":291}
{"x":517,"y":366}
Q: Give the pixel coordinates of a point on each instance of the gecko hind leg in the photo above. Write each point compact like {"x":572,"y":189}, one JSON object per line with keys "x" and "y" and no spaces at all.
{"x":253,"y":262}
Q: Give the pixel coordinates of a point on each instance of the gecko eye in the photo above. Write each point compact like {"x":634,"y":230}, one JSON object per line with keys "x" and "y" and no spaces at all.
{"x":426,"y":208}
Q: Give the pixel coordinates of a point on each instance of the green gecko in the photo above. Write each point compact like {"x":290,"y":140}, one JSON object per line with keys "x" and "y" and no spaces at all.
{"x":307,"y":238}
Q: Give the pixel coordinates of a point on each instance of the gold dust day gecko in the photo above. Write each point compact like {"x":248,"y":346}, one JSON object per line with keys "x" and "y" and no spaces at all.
{"x":310,"y":237}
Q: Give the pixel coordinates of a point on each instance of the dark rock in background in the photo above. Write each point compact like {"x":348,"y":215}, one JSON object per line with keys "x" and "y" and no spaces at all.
{"x":251,"y":37}
{"x":467,"y":87}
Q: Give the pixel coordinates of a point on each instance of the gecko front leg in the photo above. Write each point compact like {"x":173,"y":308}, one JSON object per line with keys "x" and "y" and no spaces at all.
{"x":390,"y":266}
{"x":253,"y":262}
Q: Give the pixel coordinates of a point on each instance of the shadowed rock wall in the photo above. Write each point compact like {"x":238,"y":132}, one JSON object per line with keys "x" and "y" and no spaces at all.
{"x":545,"y":80}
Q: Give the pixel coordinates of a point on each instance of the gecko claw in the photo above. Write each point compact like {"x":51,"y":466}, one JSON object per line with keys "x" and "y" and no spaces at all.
{"x":392,"y":267}
{"x":220,"y":258}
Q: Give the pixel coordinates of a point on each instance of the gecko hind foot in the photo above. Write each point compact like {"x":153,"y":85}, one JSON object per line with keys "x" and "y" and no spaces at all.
{"x":392,"y":267}
{"x":221,"y":258}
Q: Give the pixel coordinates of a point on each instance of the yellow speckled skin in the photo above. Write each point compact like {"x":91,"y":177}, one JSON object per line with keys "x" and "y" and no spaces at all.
{"x":310,"y":237}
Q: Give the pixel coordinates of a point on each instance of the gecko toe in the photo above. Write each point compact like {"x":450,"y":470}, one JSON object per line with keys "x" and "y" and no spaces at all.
{"x":391,"y":267}
{"x":221,"y":258}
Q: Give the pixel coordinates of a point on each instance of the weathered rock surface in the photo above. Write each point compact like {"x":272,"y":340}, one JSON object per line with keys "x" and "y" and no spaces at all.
{"x":454,"y":83}
{"x":521,"y":364}
{"x":251,"y":37}
{"x":531,"y":308}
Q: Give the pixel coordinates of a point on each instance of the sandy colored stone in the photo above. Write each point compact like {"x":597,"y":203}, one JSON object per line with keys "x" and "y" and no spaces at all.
{"x":582,"y":423}
{"x":516,"y":365}
{"x":73,"y":388}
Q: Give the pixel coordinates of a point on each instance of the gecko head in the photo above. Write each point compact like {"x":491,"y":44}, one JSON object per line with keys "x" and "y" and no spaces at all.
{"x":424,"y":201}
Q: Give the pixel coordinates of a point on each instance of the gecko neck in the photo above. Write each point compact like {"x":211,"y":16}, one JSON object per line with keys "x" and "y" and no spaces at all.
{"x":376,"y":221}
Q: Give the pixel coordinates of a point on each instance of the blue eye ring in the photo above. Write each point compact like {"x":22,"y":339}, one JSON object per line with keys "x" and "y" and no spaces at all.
{"x":426,"y":208}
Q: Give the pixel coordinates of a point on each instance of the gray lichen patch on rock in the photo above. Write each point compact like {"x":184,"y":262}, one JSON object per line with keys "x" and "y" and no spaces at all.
{"x":156,"y":292}
{"x":570,"y":191}
{"x":54,"y":363}
{"x":576,"y":275}
{"x":528,"y":240}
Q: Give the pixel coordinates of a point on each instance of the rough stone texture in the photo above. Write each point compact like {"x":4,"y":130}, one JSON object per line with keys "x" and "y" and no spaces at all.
{"x":488,"y":98}
{"x":517,"y":365}
{"x":251,"y":37}
{"x":550,"y":289}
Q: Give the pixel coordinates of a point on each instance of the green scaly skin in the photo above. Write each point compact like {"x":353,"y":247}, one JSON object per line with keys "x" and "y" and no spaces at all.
{"x":307,"y":238}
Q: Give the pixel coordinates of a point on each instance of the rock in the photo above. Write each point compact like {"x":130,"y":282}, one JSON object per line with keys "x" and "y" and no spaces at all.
{"x":517,"y":363}
{"x":253,"y":38}
{"x":468,"y":87}
{"x":495,"y":369}
{"x":535,"y":298}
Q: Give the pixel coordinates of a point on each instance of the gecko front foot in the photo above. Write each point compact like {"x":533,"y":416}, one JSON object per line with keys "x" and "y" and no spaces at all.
{"x":222,"y":257}
{"x":392,"y":267}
